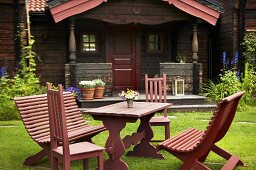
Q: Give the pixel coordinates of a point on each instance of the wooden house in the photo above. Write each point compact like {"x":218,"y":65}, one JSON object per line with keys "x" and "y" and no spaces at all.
{"x":121,"y":40}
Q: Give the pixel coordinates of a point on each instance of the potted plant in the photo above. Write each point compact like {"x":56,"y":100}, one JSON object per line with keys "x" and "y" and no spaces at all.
{"x":181,"y":58}
{"x":129,"y":96}
{"x":99,"y":88}
{"x":87,"y":89}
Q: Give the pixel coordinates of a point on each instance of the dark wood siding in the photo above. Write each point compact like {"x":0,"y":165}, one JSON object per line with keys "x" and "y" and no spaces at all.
{"x":148,"y":12}
{"x":12,"y":15}
{"x":250,"y":15}
{"x":51,"y":46}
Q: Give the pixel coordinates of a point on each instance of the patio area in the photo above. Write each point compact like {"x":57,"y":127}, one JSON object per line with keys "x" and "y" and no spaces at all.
{"x":16,"y":147}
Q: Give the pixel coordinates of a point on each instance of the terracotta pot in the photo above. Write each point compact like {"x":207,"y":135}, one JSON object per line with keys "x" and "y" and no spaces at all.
{"x":99,"y":92}
{"x":88,"y":93}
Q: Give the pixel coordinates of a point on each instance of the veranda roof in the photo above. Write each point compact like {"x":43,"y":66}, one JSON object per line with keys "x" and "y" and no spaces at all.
{"x":207,"y":10}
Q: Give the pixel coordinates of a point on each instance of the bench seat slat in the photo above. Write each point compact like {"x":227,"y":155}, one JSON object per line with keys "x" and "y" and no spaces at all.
{"x":34,"y":114}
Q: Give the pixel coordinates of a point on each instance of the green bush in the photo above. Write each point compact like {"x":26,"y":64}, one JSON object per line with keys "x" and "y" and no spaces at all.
{"x":25,"y":82}
{"x":228,"y":84}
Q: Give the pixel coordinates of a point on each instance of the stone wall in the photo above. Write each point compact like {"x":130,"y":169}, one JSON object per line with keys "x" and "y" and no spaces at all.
{"x":74,"y":73}
{"x":187,"y":71}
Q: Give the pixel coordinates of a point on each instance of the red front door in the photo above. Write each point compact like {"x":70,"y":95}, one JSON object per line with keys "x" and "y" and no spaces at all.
{"x":122,"y":51}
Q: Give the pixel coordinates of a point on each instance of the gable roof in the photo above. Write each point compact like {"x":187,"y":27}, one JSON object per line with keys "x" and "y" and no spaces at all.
{"x":197,"y":9}
{"x":208,"y":10}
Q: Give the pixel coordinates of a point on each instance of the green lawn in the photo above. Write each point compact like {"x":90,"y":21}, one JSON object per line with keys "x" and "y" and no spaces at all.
{"x":16,"y":145}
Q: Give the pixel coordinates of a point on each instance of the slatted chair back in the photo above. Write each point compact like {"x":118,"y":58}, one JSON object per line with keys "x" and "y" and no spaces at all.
{"x":34,"y":114}
{"x":193,"y":146}
{"x":221,"y":120}
{"x":155,"y":89}
{"x":57,"y":118}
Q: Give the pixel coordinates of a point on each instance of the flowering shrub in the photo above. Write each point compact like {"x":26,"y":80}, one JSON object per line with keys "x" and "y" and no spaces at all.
{"x":129,"y":95}
{"x":75,"y":91}
{"x":86,"y":84}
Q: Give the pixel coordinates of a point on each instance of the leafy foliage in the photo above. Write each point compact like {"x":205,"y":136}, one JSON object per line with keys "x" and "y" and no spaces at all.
{"x":229,"y":84}
{"x":25,"y":82}
{"x":249,"y":44}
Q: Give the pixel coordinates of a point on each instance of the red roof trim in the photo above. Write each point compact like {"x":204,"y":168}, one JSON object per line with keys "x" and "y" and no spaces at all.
{"x":73,"y":7}
{"x":191,"y":7}
{"x":196,"y":9}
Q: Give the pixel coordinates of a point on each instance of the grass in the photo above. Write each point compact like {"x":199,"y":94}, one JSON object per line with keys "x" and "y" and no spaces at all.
{"x":16,"y":145}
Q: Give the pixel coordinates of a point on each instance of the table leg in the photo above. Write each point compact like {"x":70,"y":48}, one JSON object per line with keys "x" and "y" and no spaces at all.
{"x":144,"y":148}
{"x":114,"y":145}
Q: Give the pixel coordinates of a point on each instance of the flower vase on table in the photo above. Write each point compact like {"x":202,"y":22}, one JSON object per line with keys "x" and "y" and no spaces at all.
{"x":129,"y":96}
{"x":129,"y":103}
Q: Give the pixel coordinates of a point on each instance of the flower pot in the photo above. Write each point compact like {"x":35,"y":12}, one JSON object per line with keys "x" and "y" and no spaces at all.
{"x":129,"y":103}
{"x":88,"y":93}
{"x":99,"y":92}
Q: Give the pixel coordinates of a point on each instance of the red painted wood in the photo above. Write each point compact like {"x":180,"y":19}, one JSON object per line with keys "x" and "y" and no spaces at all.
{"x":193,"y":146}
{"x":73,"y":7}
{"x":191,"y":7}
{"x":115,"y":117}
{"x":61,"y":150}
{"x":34,"y":113}
{"x":122,"y":51}
{"x":155,"y":89}
{"x":196,"y":9}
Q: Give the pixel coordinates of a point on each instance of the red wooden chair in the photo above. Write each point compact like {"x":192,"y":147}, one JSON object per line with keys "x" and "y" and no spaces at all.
{"x":193,"y":146}
{"x":155,"y":89}
{"x":61,"y":149}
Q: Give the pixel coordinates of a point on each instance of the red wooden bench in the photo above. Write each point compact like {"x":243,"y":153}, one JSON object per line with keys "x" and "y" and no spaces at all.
{"x":34,"y":114}
{"x":193,"y":146}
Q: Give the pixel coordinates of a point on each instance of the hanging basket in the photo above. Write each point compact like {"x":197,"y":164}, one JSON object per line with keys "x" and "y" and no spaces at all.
{"x":88,"y":93}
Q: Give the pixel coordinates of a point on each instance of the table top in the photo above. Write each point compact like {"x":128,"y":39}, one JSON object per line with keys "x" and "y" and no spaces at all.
{"x":138,"y":110}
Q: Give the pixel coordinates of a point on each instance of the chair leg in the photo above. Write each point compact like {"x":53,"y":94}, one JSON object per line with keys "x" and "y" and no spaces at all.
{"x":187,"y":164}
{"x":201,"y":166}
{"x":167,"y":131}
{"x":100,"y":161}
{"x":203,"y":158}
{"x":85,"y":164}
{"x":225,"y":154}
{"x":66,"y":164}
{"x":55,"y":163}
{"x":34,"y":158}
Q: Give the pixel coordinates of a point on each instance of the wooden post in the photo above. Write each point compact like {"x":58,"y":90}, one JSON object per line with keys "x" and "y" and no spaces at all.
{"x":195,"y":44}
{"x":72,"y":41}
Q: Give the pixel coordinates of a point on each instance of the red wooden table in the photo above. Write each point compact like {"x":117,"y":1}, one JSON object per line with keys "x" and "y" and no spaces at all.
{"x":115,"y":117}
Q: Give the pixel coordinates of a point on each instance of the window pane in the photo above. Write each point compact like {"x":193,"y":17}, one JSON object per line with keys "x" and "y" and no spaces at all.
{"x":92,"y":47}
{"x":151,"y":47}
{"x":151,"y":38}
{"x":86,"y":47}
{"x":92,"y":38}
{"x":85,"y":38}
{"x":154,"y":42}
{"x":89,"y":42}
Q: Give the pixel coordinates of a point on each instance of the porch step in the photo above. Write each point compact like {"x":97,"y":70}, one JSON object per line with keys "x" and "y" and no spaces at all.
{"x":192,"y":108}
{"x":186,"y":103}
